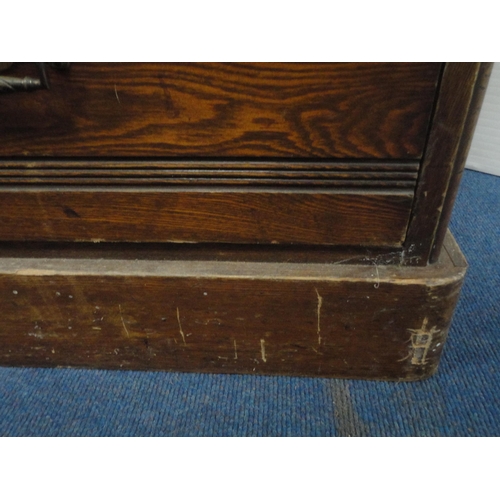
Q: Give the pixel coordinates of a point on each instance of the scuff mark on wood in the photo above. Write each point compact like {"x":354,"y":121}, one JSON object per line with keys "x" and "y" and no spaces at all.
{"x":36,"y":335}
{"x":263,"y":350}
{"x":36,"y":272}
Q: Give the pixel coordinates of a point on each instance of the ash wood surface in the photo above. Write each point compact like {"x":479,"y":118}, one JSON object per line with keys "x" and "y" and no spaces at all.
{"x":279,"y":110}
{"x":377,"y":218}
{"x":385,"y":322}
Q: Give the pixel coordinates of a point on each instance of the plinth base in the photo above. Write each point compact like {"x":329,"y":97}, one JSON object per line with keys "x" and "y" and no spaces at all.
{"x":327,"y":320}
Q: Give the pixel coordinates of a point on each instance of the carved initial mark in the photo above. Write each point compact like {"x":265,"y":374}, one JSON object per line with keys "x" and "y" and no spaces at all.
{"x":421,"y":340}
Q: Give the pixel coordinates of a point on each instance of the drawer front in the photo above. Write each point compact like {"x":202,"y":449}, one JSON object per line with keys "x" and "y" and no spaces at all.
{"x":233,"y":110}
{"x":231,"y":202}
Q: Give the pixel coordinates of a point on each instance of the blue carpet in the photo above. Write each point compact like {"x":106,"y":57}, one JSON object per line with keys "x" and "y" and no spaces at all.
{"x":463,"y":399}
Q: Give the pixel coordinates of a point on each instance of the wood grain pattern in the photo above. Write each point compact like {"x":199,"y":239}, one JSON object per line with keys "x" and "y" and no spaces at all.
{"x":174,"y":215}
{"x":273,"y":110}
{"x":325,"y":320}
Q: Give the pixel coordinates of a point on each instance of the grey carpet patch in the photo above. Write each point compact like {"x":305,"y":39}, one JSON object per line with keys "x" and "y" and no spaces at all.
{"x":347,"y":421}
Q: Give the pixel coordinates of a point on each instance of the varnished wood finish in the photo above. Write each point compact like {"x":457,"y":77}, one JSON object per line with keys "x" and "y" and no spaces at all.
{"x":383,"y":322}
{"x":442,"y":160}
{"x":319,"y":216}
{"x":253,"y":110}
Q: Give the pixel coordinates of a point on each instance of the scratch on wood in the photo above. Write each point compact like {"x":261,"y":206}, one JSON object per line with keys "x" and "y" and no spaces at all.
{"x":263,"y":350}
{"x":180,"y":327}
{"x":318,"y":313}
{"x":116,"y":94}
{"x":123,"y":321}
{"x":235,"y":350}
{"x":377,"y":284}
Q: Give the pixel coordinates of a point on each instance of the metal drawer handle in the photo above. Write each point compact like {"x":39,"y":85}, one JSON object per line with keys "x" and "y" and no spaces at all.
{"x":25,"y":84}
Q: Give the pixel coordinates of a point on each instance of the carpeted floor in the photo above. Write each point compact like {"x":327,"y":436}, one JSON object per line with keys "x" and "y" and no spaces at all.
{"x":463,"y":399}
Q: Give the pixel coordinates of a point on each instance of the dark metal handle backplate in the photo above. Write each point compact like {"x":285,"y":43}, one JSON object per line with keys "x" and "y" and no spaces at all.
{"x":26,"y":84}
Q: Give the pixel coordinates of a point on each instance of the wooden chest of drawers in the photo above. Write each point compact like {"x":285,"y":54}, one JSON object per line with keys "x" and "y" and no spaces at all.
{"x":234,"y":205}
